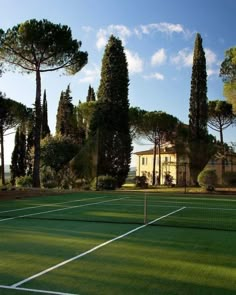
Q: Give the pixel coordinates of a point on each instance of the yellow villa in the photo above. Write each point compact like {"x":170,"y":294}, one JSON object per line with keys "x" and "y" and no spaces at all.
{"x":177,"y":166}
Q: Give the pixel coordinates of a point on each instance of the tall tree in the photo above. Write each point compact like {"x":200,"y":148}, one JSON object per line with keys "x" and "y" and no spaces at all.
{"x":30,"y":142}
{"x":159,"y":128}
{"x":110,"y":121}
{"x":198,"y":112}
{"x":91,"y":94}
{"x":85,"y":113}
{"x":228,"y":74}
{"x":12,"y":113}
{"x":18,"y":160}
{"x":220,"y":116}
{"x":41,"y":46}
{"x":66,"y":115}
{"x":45,"y":130}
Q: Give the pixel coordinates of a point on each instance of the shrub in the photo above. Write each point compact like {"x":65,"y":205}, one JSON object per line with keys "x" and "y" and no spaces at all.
{"x":208,"y":179}
{"x":48,"y":177}
{"x":141,"y":181}
{"x":229,"y":178}
{"x":104,"y":182}
{"x":24,"y":181}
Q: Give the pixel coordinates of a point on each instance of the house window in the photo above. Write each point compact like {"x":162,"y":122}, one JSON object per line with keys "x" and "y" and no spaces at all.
{"x":144,"y":161}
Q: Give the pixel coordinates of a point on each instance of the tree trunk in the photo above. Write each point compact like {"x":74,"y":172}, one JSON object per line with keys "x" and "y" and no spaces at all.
{"x":37,"y":131}
{"x":154,"y":164}
{"x":159,"y":163}
{"x":223,"y":155}
{"x":2,"y":156}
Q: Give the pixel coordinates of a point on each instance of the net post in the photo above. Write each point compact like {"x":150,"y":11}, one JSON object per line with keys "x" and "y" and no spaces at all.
{"x":185,"y":177}
{"x":145,"y":208}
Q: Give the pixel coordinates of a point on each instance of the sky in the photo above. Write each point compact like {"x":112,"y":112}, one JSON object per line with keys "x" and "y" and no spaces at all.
{"x":158,"y":38}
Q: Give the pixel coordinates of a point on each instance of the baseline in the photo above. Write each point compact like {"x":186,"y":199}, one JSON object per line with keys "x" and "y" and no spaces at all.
{"x":35,"y":290}
{"x":93,"y":249}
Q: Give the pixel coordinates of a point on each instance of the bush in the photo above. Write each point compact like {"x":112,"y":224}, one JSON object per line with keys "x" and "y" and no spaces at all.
{"x":229,"y":178}
{"x":104,"y":182}
{"x":24,"y":181}
{"x":141,"y":181}
{"x":48,"y":177}
{"x":208,"y":179}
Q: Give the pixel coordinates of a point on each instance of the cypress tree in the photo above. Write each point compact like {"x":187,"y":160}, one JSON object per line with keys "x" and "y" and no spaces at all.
{"x":29,"y":146}
{"x":60,"y":116}
{"x":18,"y":160}
{"x":91,"y":94}
{"x":111,"y":118}
{"x":45,"y":128}
{"x":198,"y":112}
{"x":66,"y":115}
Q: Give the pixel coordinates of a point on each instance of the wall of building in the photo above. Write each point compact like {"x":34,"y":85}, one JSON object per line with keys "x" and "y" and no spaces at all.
{"x":144,"y":166}
{"x":178,"y":168}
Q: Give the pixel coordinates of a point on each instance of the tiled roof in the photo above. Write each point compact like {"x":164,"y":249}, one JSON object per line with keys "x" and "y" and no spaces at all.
{"x":166,"y":150}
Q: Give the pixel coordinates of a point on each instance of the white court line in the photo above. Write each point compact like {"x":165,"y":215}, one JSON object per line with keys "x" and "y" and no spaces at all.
{"x":60,"y":209}
{"x":209,"y":208}
{"x":176,"y":206}
{"x":35,"y":290}
{"x":93,"y":249}
{"x":50,"y":204}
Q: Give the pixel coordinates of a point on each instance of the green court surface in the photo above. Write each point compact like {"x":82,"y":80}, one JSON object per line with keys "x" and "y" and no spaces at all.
{"x":118,"y":243}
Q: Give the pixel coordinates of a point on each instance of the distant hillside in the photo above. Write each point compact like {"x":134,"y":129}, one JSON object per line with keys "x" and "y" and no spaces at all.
{"x":7,"y":168}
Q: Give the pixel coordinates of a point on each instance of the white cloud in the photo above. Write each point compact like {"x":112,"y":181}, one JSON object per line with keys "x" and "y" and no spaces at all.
{"x":184,"y":58}
{"x":157,"y":76}
{"x":90,"y":75}
{"x":211,"y":62}
{"x":163,"y":27}
{"x":135,"y":63}
{"x":211,"y":58}
{"x":159,"y":57}
{"x":123,"y":32}
{"x":211,"y":72}
{"x":87,"y":29}
{"x":120,"y":31}
{"x":101,"y":39}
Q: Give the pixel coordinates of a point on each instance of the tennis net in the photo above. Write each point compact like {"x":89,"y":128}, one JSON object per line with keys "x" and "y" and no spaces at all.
{"x":165,"y":210}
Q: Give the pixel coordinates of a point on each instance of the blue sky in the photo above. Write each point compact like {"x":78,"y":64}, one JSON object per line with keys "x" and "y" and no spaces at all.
{"x":158,"y":37}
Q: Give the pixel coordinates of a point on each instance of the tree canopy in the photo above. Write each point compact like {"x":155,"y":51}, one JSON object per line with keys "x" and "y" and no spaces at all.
{"x":40,"y":46}
{"x":228,"y":74}
{"x":220,"y":116}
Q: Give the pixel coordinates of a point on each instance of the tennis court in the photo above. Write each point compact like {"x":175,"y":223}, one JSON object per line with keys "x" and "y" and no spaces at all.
{"x":118,"y":243}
